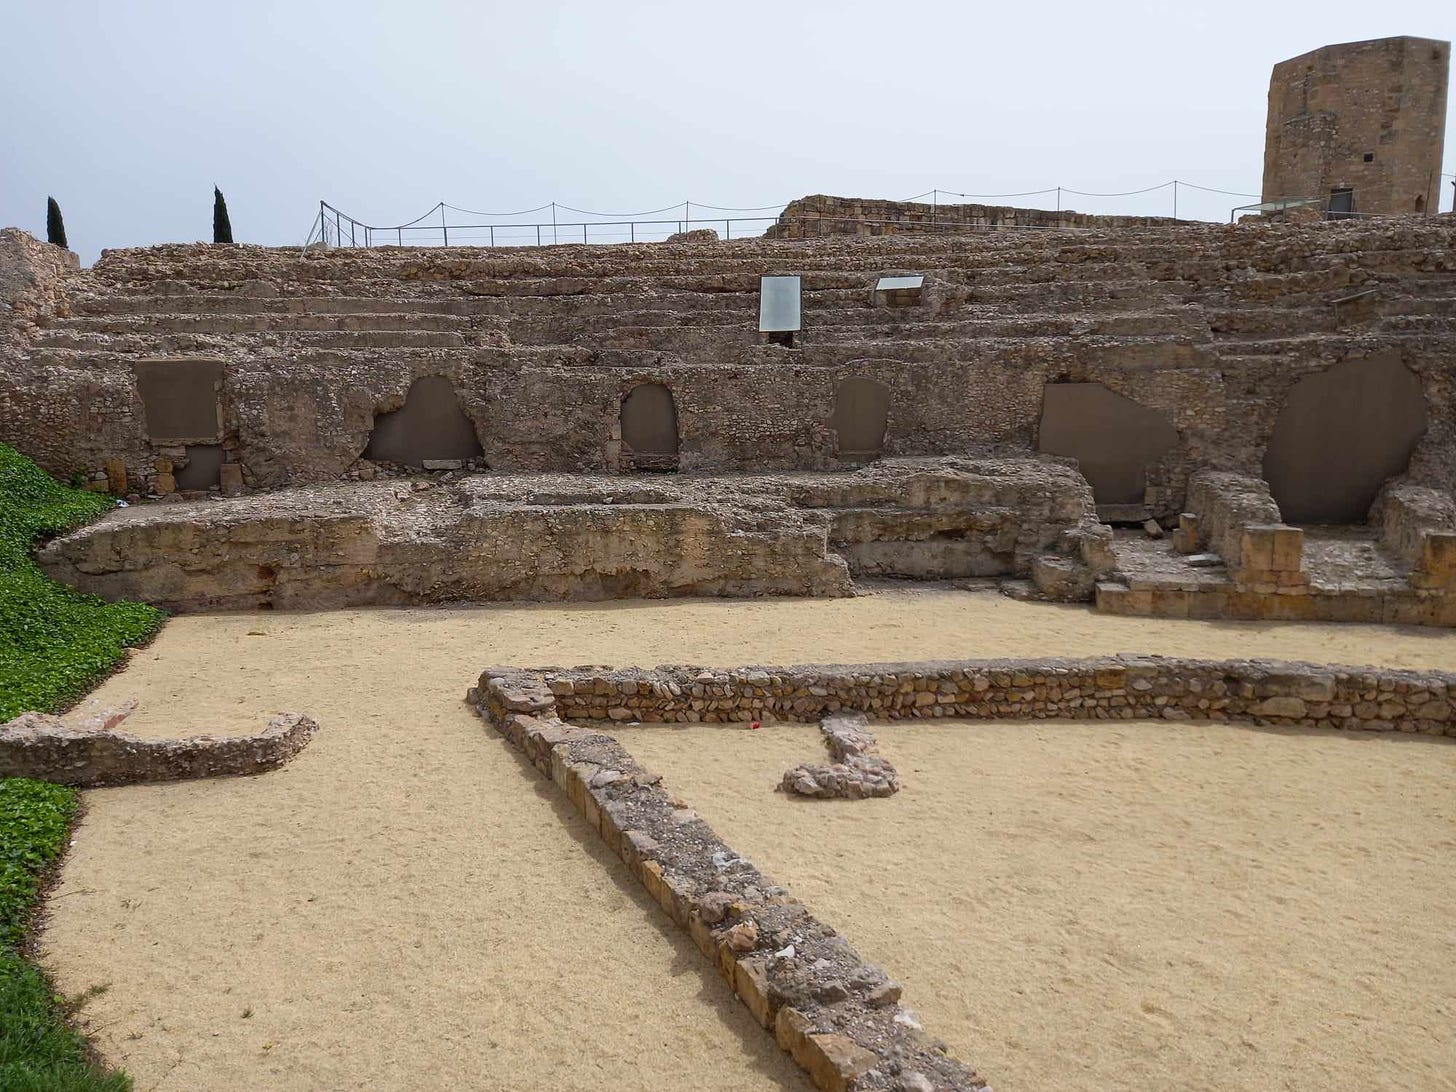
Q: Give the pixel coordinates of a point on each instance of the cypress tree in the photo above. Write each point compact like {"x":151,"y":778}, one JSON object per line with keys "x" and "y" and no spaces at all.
{"x":222,"y":228}
{"x":55,"y":226}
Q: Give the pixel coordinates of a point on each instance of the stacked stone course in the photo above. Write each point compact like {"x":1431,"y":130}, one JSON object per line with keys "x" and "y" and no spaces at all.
{"x":841,"y":1018}
{"x":1109,"y":688}
{"x":1208,"y":325}
{"x":579,"y":537}
{"x":50,"y":748}
{"x":838,"y":1016}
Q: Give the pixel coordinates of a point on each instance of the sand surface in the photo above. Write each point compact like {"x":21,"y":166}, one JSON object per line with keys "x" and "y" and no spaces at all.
{"x":1138,"y":906}
{"x":407,"y":905}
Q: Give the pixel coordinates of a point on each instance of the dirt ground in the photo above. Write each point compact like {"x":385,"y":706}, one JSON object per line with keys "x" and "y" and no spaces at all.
{"x":1134,"y":906}
{"x":408,"y":906}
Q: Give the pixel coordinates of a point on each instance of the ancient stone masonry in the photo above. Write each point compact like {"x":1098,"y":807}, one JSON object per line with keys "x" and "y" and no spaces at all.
{"x":1360,"y":126}
{"x":1105,"y":688}
{"x":558,"y":536}
{"x":842,"y":1019}
{"x":1233,"y":557}
{"x":819,"y":214}
{"x":857,"y":769}
{"x":1208,"y":328}
{"x":839,"y":1017}
{"x":89,"y":753}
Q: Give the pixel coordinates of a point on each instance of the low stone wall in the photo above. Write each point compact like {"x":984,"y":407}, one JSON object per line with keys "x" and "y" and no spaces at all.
{"x":1108,"y":688}
{"x":819,"y":215}
{"x":839,"y":1017}
{"x":1226,"y":505}
{"x":48,"y":748}
{"x":577,"y":537}
{"x":1418,"y":525}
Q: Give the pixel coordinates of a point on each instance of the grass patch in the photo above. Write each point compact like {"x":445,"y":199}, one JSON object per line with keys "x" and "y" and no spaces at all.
{"x":39,"y":1052}
{"x":55,"y":642}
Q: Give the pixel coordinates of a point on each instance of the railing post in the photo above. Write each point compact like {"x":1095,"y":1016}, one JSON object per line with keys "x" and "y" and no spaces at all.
{"x":492,"y":235}
{"x":444,"y":227}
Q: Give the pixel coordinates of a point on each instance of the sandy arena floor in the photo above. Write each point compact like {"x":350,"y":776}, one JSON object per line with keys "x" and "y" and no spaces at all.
{"x":407,"y":906}
{"x":1138,"y":906}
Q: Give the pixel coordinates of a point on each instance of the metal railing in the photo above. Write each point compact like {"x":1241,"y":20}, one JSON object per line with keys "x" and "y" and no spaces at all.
{"x":337,"y":228}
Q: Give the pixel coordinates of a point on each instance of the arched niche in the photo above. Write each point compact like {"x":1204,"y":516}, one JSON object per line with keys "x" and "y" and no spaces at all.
{"x":861,"y":410}
{"x":1113,"y":438}
{"x":429,"y":426}
{"x":649,"y":428}
{"x":1340,"y":434}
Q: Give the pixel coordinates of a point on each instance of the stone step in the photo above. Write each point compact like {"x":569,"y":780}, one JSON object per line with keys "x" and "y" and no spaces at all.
{"x":156,"y":341}
{"x":1419,"y":324}
{"x":212,"y":323}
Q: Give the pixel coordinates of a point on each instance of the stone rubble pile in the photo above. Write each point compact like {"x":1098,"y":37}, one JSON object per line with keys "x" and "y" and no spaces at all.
{"x":857,"y":770}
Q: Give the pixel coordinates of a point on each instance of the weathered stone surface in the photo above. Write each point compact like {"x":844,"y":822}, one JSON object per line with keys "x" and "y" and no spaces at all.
{"x":858,"y":770}
{"x":838,"y":1016}
{"x":1368,"y":116}
{"x":1207,"y":325}
{"x":841,"y":1018}
{"x":87,"y":752}
{"x":576,"y":537}
{"x":1118,"y":687}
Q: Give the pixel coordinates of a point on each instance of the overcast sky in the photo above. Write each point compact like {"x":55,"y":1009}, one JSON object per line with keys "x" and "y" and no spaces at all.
{"x":127,"y":112}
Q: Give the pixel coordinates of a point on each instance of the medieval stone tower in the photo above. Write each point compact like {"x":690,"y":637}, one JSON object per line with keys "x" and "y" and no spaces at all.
{"x":1360,"y":126}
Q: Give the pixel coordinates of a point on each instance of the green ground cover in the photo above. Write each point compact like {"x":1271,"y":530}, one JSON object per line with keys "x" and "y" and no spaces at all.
{"x":55,"y":644}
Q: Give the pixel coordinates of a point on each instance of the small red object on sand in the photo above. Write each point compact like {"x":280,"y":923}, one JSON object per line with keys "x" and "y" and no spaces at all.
{"x":754,"y":725}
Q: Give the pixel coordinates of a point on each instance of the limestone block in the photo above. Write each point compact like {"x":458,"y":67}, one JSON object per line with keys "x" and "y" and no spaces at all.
{"x":1288,"y":549}
{"x":1279,"y":707}
{"x":230,"y":476}
{"x":1270,"y":548}
{"x":1438,"y":559}
{"x":1062,"y":578}
{"x":116,"y":476}
{"x":1256,"y":549}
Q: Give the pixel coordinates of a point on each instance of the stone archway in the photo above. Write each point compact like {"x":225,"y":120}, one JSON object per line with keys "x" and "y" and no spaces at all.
{"x":1340,"y":434}
{"x":649,"y":428}
{"x":861,"y":412}
{"x":430,"y":427}
{"x":1113,"y":438}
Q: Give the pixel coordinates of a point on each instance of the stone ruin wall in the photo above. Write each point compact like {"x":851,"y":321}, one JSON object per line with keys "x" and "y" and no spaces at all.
{"x":571,"y":537}
{"x":840,"y":1018}
{"x":820,"y":214}
{"x":1331,"y":108}
{"x":1210,"y":327}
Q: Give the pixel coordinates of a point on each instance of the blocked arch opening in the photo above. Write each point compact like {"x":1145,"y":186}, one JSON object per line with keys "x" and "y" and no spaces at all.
{"x":1340,"y":434}
{"x":649,"y":428}
{"x":861,"y":414}
{"x":430,"y":426}
{"x":1113,"y":438}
